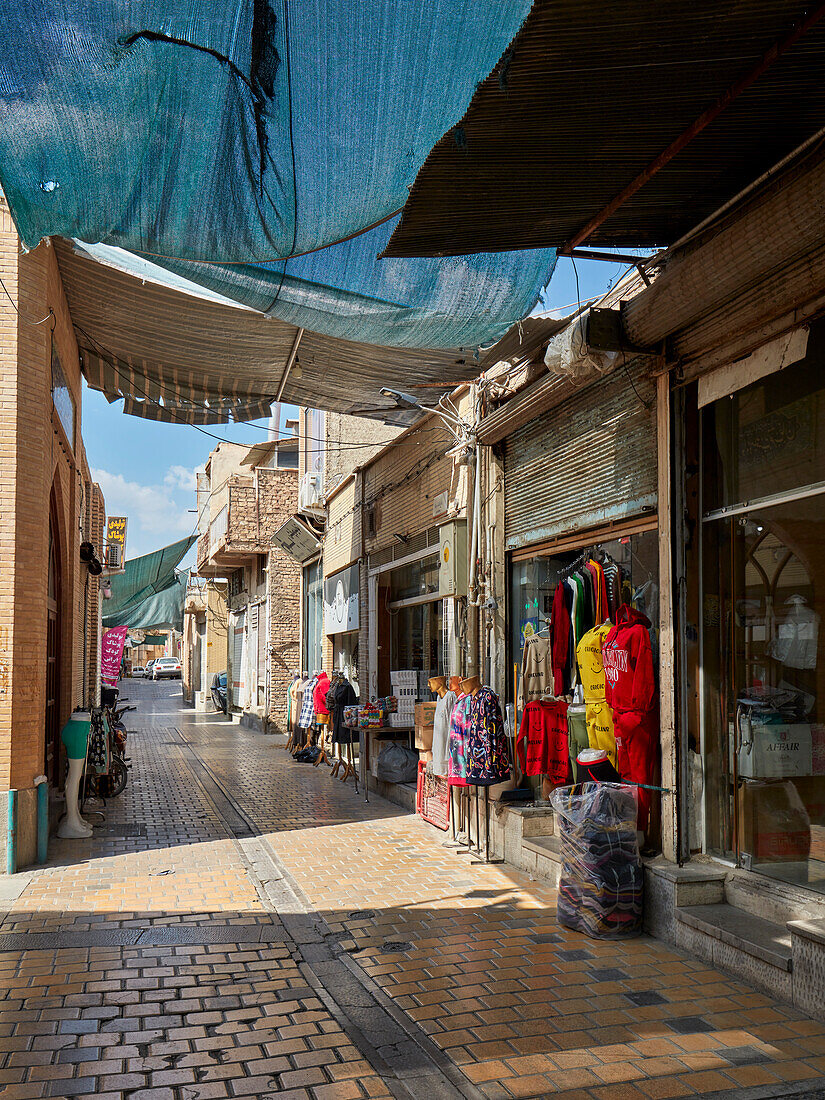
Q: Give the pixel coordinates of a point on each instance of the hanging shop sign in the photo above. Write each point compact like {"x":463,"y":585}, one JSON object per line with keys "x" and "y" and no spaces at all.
{"x":111,"y":653}
{"x":296,"y":539}
{"x":115,"y":542}
{"x":341,"y":612}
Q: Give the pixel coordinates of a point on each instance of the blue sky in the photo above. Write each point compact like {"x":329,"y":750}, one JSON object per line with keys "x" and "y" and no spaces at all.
{"x":147,"y":470}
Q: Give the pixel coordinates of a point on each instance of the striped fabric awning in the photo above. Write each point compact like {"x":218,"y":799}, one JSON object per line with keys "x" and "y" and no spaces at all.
{"x":181,"y":357}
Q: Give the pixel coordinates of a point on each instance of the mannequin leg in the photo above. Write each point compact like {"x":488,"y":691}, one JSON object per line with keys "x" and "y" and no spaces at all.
{"x":73,"y":826}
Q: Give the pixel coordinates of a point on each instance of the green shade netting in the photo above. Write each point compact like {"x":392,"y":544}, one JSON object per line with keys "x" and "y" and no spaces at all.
{"x":155,"y":610}
{"x":142,"y":577}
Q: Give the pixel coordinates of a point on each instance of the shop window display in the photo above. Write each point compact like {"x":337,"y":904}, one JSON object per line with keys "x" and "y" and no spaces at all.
{"x":597,"y":666}
{"x":763,"y":720}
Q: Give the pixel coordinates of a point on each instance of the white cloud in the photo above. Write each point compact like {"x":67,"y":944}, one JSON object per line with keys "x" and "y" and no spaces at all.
{"x":157,"y":514}
{"x":181,"y":477}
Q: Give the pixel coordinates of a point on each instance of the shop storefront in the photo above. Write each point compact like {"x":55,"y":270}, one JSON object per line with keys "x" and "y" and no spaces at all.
{"x":580,"y":519}
{"x":342,"y":621}
{"x":762,"y":599}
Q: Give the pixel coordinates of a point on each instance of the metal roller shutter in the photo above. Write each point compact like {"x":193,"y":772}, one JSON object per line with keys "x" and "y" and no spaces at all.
{"x":237,"y":680}
{"x":587,"y":462}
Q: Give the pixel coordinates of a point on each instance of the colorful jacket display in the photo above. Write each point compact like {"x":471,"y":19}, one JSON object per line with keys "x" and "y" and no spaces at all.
{"x":457,"y":743}
{"x":441,"y":731}
{"x":488,"y":759}
{"x":628,"y":662}
{"x":319,"y":694}
{"x":542,"y":743}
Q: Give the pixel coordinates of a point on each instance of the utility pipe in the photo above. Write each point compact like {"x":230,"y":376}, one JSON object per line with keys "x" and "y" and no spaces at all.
{"x":11,"y":834}
{"x":42,"y":788}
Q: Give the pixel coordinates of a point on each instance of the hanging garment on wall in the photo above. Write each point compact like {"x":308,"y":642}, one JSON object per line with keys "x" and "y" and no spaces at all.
{"x":340,"y":695}
{"x":488,"y":758}
{"x":600,"y":731}
{"x":560,"y":633}
{"x":441,"y":731}
{"x":457,"y":745}
{"x":307,"y":708}
{"x":591,"y":665}
{"x":576,"y":734}
{"x":613,"y":581}
{"x":628,"y":662}
{"x":319,"y":694}
{"x":542,"y":743}
{"x":630,"y":689}
{"x":536,"y":670}
{"x":571,"y":603}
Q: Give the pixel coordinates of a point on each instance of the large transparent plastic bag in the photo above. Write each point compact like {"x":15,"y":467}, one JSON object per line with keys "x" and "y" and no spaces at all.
{"x":601,"y":883}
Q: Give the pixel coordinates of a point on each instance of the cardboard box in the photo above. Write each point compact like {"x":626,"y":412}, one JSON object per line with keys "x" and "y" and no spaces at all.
{"x":424,"y":714}
{"x":424,"y":737}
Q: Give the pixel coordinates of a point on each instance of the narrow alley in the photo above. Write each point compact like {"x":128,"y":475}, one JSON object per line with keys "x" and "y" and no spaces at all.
{"x":242,"y":925}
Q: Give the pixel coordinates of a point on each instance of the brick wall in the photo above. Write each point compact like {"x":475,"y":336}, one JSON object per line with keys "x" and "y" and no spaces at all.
{"x":39,"y":466}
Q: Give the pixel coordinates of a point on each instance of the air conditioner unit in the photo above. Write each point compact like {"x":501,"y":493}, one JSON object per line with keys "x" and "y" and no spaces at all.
{"x":452,"y":568}
{"x":310,"y":494}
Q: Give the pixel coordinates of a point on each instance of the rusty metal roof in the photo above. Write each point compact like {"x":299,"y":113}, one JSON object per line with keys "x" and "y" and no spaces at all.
{"x":586,"y":99}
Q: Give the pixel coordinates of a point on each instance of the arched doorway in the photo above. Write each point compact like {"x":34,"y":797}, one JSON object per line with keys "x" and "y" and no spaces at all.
{"x":52,"y":761}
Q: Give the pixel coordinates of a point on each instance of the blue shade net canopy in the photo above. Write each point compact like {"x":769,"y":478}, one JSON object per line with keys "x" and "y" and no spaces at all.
{"x":231,"y":131}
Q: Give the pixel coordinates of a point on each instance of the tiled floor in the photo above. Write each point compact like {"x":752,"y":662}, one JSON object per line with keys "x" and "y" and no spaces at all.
{"x":247,"y":926}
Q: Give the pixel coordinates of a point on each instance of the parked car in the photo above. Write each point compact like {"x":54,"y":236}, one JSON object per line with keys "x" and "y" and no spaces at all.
{"x":147,"y":672}
{"x":138,"y":671}
{"x":218,"y":690}
{"x":166,"y":668}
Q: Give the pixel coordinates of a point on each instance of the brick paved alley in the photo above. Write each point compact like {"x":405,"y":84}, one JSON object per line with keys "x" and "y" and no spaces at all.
{"x":246,"y":926}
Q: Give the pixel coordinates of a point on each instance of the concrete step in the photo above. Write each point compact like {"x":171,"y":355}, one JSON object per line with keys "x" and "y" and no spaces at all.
{"x":545,"y":850}
{"x":747,"y":934}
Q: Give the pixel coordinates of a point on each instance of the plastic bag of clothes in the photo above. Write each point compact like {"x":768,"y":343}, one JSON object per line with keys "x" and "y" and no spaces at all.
{"x":397,"y":764}
{"x":601,"y":882}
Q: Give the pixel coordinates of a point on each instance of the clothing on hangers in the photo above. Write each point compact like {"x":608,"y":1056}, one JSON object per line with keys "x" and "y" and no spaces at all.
{"x":560,"y":634}
{"x":341,"y":694}
{"x":542,"y":742}
{"x":307,"y":716}
{"x":536,"y":669}
{"x":630,"y":690}
{"x":319,"y":694}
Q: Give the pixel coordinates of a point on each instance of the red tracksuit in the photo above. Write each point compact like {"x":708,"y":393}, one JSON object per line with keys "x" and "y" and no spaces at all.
{"x":542,"y":745}
{"x":630,"y":689}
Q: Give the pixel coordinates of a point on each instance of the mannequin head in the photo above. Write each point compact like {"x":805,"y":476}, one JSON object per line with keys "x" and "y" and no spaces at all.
{"x":438,"y":684}
{"x":471,"y":685}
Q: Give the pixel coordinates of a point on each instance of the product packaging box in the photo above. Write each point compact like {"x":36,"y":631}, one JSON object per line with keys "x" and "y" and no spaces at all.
{"x":774,"y":826}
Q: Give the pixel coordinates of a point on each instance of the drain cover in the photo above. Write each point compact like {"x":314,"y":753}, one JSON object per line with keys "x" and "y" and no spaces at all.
{"x":120,"y":829}
{"x":395,"y":945}
{"x":363,"y":914}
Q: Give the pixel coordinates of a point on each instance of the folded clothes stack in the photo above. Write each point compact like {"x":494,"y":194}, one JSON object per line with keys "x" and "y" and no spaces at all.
{"x":601,"y":884}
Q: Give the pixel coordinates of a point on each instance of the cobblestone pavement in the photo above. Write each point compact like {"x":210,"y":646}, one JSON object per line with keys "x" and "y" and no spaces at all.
{"x":242,"y":925}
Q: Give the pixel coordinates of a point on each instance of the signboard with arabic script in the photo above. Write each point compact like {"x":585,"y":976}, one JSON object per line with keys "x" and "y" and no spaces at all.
{"x":116,"y":542}
{"x":111,"y":653}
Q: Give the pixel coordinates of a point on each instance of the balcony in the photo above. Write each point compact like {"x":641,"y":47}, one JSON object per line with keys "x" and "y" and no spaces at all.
{"x":245,"y":514}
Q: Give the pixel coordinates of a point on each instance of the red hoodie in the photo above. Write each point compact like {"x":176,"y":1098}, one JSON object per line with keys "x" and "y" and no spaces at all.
{"x":629,"y":683}
{"x":319,"y":695}
{"x":542,"y":746}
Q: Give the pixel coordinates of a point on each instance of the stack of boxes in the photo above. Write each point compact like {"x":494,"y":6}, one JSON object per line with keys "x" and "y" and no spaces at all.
{"x":405,"y":689}
{"x":424,"y":718}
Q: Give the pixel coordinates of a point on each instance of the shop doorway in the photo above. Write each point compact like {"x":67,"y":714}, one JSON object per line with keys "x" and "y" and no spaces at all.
{"x":52,"y":716}
{"x":762,"y":602}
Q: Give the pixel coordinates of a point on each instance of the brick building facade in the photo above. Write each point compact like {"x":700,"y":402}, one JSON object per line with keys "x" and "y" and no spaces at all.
{"x":49,"y":610}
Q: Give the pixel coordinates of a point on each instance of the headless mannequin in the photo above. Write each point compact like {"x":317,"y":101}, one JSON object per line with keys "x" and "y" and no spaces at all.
{"x":455,"y":684}
{"x":471,"y":685}
{"x":438,"y":684}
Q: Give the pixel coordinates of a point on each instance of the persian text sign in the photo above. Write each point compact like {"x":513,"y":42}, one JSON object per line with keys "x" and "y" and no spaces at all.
{"x":112,"y":653}
{"x":115,"y":541}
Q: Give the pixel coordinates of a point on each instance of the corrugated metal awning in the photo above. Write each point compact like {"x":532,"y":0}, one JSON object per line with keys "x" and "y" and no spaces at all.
{"x":586,"y":99}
